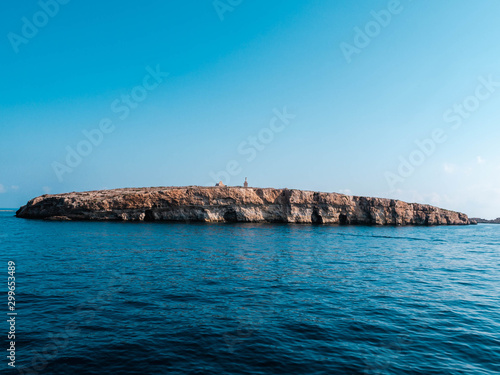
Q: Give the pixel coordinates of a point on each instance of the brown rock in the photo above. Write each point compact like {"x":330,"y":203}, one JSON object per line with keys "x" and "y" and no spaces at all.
{"x":234,"y":204}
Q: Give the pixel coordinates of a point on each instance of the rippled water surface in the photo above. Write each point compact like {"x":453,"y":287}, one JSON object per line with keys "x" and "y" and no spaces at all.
{"x":152,"y":298}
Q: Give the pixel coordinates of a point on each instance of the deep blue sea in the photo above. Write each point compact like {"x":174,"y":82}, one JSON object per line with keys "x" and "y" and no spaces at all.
{"x":179,"y":298}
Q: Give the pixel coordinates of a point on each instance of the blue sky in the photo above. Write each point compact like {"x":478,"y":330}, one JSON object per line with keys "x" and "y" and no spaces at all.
{"x":420,"y":69}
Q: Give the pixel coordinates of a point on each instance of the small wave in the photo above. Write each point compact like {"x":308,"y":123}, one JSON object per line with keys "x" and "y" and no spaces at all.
{"x":393,"y":237}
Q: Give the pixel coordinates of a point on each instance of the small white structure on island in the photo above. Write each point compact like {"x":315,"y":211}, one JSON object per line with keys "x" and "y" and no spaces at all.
{"x":220,"y":184}
{"x":245,"y":184}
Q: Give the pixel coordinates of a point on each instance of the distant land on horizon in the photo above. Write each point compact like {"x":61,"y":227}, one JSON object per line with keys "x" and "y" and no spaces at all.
{"x":485,"y":221}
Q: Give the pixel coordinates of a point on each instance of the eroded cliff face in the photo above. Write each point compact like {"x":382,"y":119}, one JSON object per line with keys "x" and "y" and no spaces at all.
{"x":234,"y":204}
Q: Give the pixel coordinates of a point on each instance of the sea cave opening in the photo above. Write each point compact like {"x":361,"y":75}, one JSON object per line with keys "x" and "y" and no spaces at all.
{"x":316,"y":218}
{"x":149,"y":216}
{"x":343,"y":219}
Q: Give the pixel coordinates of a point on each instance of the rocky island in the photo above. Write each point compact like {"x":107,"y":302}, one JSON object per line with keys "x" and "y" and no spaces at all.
{"x":235,"y":204}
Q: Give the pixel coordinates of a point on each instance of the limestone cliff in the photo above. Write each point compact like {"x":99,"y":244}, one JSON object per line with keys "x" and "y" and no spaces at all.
{"x":235,"y":204}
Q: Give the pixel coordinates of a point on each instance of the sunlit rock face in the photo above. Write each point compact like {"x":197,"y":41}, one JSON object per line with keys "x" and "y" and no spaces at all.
{"x":235,"y":204}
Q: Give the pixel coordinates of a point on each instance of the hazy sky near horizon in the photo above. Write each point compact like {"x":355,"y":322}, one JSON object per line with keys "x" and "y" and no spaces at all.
{"x":396,"y":99}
